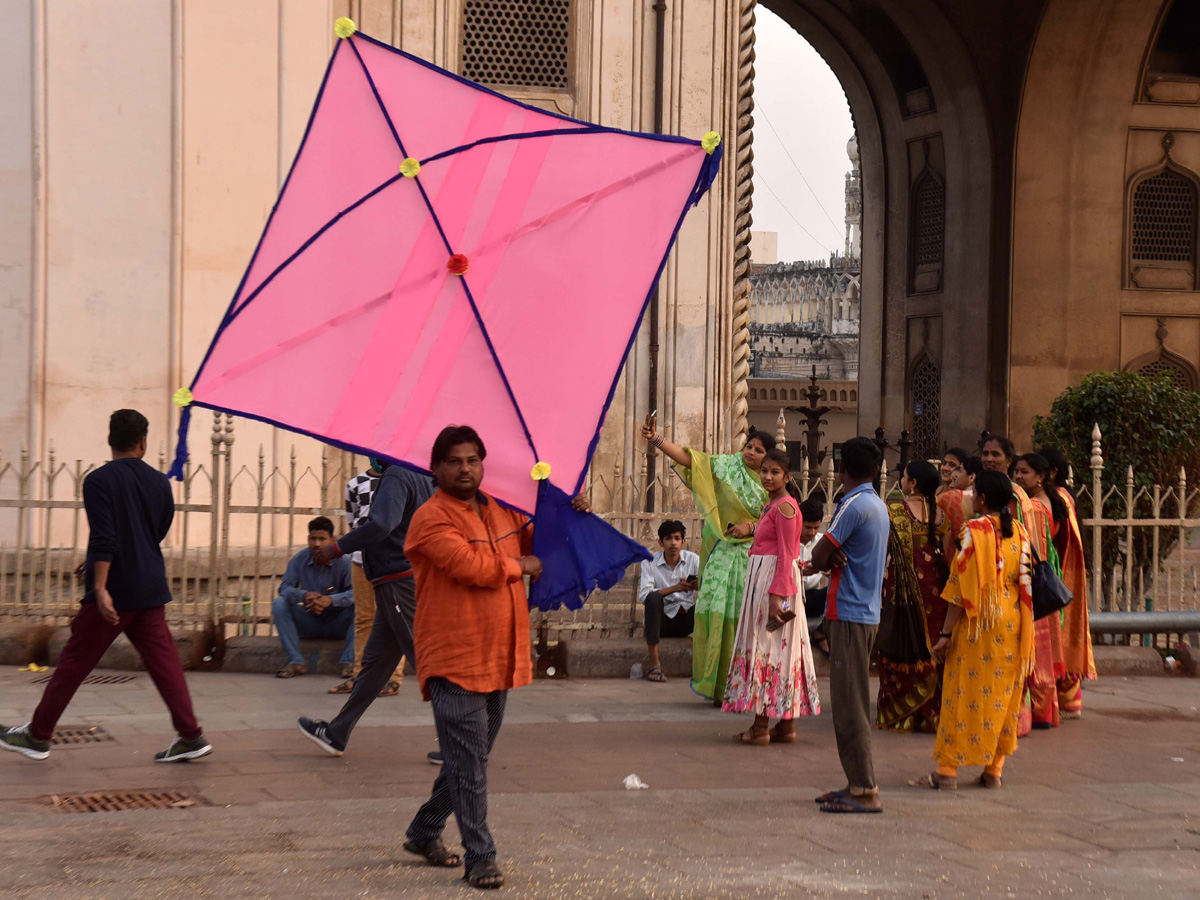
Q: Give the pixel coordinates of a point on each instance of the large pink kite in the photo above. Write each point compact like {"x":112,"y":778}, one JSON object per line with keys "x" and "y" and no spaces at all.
{"x":440,"y":254}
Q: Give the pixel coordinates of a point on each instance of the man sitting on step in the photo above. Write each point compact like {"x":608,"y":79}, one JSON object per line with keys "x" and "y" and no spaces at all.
{"x":668,"y":592}
{"x":316,"y":600}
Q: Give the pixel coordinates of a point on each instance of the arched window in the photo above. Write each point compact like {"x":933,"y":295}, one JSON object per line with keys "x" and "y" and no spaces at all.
{"x":1163,"y":228}
{"x":793,"y":394}
{"x":773,"y":394}
{"x":854,"y":396}
{"x":927,"y":232}
{"x":1173,"y":65}
{"x":843,"y":395}
{"x":1163,"y":361}
{"x":925,"y":389}
{"x":824,"y":395}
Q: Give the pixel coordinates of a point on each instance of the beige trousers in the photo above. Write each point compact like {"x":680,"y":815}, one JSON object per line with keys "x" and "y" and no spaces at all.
{"x":364,"y":618}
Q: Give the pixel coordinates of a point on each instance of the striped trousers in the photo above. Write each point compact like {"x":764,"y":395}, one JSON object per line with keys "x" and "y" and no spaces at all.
{"x":467,"y":725}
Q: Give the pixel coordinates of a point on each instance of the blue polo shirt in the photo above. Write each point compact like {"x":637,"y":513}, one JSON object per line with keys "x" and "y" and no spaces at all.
{"x":860,"y":529}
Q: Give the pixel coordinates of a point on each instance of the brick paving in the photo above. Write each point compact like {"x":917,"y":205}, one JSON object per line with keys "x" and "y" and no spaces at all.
{"x":1105,"y":807}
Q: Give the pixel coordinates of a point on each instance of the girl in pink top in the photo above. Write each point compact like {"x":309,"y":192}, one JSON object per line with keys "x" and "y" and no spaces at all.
{"x":772,"y":673}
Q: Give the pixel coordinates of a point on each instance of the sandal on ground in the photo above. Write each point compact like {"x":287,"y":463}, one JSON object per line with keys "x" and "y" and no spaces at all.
{"x":830,"y":796}
{"x":935,"y":782}
{"x":291,"y":671}
{"x":485,"y":875}
{"x":782,"y":737}
{"x":655,"y":674}
{"x":848,"y":803}
{"x":821,"y":643}
{"x":435,"y":853}
{"x":991,"y":782}
{"x":753,"y":737}
{"x":391,"y":689}
{"x":343,"y":687}
{"x":346,"y":672}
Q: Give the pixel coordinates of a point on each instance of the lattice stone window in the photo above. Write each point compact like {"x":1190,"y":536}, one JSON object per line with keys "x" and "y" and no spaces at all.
{"x":928,"y":232}
{"x":517,"y":43}
{"x":1164,"y":219}
{"x":926,"y":408}
{"x":1161,"y":366}
{"x":929,"y":215}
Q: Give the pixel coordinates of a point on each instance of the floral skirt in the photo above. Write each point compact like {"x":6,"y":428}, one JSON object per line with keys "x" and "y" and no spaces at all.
{"x":772,"y":672}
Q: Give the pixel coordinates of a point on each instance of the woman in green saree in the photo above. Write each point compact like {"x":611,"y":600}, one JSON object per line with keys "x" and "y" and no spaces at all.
{"x":730,"y":497}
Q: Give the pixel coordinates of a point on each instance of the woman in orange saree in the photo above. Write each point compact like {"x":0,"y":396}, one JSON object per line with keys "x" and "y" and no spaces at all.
{"x":1045,"y":517}
{"x":1076,"y":631}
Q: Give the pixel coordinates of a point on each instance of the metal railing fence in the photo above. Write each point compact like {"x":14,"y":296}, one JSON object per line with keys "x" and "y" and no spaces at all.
{"x":237,"y":525}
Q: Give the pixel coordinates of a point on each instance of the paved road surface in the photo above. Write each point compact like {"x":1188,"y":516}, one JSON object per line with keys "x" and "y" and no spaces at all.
{"x":1104,"y":807}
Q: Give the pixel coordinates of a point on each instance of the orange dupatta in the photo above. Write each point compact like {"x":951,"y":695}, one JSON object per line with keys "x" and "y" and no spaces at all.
{"x":1076,"y":632}
{"x":980,"y":565}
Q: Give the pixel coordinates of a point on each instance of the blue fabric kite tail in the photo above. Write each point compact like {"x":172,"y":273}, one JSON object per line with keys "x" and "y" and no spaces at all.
{"x":181,"y":451}
{"x":579,"y":552}
{"x":708,"y":174}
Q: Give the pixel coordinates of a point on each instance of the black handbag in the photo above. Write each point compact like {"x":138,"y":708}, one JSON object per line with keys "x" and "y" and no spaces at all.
{"x":1050,"y":595}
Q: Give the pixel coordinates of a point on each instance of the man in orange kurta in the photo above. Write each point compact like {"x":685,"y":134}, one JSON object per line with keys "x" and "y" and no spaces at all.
{"x":469,"y":557}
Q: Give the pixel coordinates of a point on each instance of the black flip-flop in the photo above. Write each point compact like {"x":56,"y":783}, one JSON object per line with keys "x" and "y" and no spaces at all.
{"x":655,"y":670}
{"x":847,"y":805}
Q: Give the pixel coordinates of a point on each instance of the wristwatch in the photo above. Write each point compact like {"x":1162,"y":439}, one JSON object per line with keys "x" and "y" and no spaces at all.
{"x":944,"y":634}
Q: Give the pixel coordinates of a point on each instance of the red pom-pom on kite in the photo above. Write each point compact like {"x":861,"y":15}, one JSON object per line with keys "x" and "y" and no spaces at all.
{"x":458,"y":264}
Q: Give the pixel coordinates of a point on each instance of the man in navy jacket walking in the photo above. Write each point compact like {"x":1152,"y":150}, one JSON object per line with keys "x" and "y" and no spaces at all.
{"x":129,"y":509}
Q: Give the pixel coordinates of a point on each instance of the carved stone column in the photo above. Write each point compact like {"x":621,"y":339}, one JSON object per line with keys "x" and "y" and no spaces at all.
{"x":743,"y":192}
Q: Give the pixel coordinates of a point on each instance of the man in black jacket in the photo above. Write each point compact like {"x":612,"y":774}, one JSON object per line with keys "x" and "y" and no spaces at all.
{"x":381,"y":539}
{"x":129,"y":510}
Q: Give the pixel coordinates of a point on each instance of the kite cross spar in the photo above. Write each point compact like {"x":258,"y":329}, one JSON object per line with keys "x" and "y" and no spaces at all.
{"x":478,"y":261}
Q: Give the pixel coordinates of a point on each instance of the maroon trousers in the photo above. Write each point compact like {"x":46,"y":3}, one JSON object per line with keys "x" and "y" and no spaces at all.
{"x":90,"y":637}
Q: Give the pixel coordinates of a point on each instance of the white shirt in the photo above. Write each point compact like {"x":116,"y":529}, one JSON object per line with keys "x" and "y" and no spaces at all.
{"x":811,"y":582}
{"x":656,"y":575}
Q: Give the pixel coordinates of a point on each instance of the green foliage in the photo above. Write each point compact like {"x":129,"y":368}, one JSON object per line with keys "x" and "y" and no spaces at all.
{"x":1147,"y":423}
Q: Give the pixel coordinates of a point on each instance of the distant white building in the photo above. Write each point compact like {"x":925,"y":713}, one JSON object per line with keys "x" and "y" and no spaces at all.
{"x":806,"y":313}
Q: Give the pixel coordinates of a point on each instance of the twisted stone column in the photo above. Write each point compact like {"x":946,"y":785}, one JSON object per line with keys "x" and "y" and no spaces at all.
{"x":743,"y":191}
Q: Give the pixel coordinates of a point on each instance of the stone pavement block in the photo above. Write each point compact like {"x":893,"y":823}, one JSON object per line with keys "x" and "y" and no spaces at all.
{"x":264,"y":655}
{"x":1114,"y":662}
{"x":22,"y":644}
{"x":192,"y":646}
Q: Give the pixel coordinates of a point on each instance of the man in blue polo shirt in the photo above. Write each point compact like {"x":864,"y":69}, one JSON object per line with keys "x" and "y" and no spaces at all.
{"x":854,"y":552}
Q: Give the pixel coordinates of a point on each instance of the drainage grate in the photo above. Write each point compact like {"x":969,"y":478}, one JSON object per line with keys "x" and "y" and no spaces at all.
{"x":71,"y":737}
{"x":95,"y":679}
{"x":121,"y":801}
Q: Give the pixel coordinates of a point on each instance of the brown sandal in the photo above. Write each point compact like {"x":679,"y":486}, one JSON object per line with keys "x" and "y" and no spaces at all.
{"x":782,"y":737}
{"x":935,"y":782}
{"x":991,"y":782}
{"x":749,"y":736}
{"x":291,"y":671}
{"x":343,"y":687}
{"x":391,"y":689}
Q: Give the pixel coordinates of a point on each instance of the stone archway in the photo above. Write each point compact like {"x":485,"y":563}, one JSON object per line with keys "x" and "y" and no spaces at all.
{"x":918,"y":105}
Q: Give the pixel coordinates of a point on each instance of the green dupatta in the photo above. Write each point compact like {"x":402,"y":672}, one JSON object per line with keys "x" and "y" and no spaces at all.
{"x":726,"y":493}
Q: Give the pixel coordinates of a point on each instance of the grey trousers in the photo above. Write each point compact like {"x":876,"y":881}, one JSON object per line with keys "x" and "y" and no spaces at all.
{"x":850,"y":696}
{"x":467,"y":725}
{"x":391,"y":638}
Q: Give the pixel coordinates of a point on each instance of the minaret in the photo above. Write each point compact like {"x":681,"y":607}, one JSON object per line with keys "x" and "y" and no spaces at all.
{"x":853,"y":203}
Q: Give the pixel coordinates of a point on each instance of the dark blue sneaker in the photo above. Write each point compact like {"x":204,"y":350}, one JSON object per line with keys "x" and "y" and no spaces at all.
{"x":435,"y":757}
{"x":19,"y":740}
{"x":318,"y":732}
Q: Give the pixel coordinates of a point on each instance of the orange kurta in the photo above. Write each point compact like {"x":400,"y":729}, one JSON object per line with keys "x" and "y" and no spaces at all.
{"x":472,"y":622}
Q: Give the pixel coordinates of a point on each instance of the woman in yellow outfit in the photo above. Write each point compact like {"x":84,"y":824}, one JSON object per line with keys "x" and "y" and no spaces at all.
{"x":987,"y":641}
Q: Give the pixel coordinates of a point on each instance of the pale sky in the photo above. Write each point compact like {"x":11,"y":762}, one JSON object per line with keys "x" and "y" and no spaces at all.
{"x":797,"y":94}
